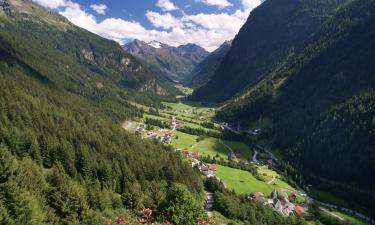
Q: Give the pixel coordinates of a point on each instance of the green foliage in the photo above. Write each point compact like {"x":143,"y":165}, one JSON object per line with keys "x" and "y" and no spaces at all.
{"x":249,"y":212}
{"x":180,"y":207}
{"x":321,"y":103}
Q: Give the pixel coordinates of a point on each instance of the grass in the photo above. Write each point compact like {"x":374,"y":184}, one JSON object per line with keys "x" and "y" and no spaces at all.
{"x":350,"y":218}
{"x":326,"y":197}
{"x":264,"y":169}
{"x":232,"y":179}
{"x":177,"y":106}
{"x":240,"y":148}
{"x":212,"y":147}
{"x":184,"y":141}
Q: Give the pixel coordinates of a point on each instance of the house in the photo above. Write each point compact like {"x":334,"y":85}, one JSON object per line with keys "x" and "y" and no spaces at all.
{"x":213,"y":167}
{"x":259,"y":197}
{"x":256,"y":132}
{"x":185,"y":153}
{"x":292,"y":197}
{"x":288,"y":209}
{"x":278,"y":206}
{"x":194,"y":155}
{"x":207,"y":172}
{"x":270,"y":201}
{"x":299,"y":210}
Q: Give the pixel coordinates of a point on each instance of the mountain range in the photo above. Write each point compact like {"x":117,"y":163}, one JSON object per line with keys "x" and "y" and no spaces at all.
{"x":306,"y":67}
{"x":167,"y":62}
{"x":300,"y":72}
{"x":204,"y":71}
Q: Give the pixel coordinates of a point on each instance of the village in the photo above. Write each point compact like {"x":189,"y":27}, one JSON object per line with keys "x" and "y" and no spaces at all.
{"x":161,"y":134}
{"x":266,"y":188}
{"x":284,"y":204}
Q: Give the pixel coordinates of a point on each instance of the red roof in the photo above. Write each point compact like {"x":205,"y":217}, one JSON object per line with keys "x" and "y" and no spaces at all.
{"x":258,"y":195}
{"x":299,"y":210}
{"x":214,"y":166}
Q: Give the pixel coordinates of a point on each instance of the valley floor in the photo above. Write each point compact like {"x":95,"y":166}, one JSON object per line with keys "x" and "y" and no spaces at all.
{"x":190,"y":129}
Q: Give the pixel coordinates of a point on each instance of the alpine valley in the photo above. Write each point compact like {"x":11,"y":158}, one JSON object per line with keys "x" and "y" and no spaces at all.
{"x":274,"y":127}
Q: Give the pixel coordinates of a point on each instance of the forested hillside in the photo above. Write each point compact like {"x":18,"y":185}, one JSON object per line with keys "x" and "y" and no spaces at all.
{"x":64,"y":157}
{"x":204,"y":71}
{"x":274,"y":31}
{"x":321,"y":103}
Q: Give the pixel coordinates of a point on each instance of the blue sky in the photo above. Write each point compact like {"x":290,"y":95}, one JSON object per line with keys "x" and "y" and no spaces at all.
{"x":207,"y":23}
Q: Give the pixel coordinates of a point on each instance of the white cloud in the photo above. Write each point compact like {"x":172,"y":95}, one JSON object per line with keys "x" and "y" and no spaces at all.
{"x":206,"y":30}
{"x":219,"y":3}
{"x":165,"y":21}
{"x":251,"y":4}
{"x":166,"y":5}
{"x":99,"y":8}
{"x":52,"y":4}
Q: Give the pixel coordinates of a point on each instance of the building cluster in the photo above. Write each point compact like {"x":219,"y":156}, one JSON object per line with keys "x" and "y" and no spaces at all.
{"x":283,"y":205}
{"x":175,"y":124}
{"x":141,"y":128}
{"x":206,"y":169}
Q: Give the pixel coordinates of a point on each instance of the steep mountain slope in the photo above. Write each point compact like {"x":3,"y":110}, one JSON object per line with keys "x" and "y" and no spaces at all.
{"x":64,"y":159}
{"x":321,"y":103}
{"x":48,"y":42}
{"x":168,"y":62}
{"x":274,"y":30}
{"x":204,"y":71}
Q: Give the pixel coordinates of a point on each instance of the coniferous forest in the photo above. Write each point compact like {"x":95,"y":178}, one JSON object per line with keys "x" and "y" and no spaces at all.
{"x":65,"y":94}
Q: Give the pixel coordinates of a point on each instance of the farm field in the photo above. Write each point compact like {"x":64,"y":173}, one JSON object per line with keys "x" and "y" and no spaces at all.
{"x":243,"y":182}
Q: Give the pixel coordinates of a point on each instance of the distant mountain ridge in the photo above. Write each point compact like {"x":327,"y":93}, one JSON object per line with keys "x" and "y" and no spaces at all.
{"x":205,"y":70}
{"x":167,"y":62}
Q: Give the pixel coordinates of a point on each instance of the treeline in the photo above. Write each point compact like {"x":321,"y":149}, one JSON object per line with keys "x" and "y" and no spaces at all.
{"x":69,"y":162}
{"x":230,"y":163}
{"x":157,"y":123}
{"x":200,"y":132}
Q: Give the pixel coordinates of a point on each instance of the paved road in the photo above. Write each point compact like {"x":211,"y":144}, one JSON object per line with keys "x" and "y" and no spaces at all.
{"x":255,"y":157}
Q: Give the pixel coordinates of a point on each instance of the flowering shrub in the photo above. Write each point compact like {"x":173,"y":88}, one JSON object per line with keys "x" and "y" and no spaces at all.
{"x":146,"y":217}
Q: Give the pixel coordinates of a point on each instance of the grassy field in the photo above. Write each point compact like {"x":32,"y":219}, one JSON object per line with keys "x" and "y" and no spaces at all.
{"x":177,"y":106}
{"x":212,"y":147}
{"x":242,"y":182}
{"x":209,"y":146}
{"x":184,"y":141}
{"x":265,"y":170}
{"x":233,"y":177}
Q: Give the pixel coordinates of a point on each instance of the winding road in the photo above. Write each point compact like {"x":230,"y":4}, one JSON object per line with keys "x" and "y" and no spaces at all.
{"x":255,"y":157}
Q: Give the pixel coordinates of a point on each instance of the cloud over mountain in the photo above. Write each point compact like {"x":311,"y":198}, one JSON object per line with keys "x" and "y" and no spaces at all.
{"x":168,"y":28}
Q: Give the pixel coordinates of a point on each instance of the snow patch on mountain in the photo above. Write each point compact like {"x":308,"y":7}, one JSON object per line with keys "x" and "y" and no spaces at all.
{"x":155,"y":44}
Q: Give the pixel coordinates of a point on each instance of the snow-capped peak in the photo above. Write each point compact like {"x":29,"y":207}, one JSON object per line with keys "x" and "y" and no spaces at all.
{"x":155,"y":44}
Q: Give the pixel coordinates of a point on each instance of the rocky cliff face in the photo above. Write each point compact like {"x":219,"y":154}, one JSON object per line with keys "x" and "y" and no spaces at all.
{"x":171,"y":63}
